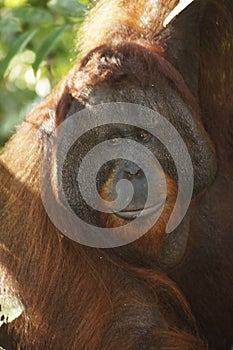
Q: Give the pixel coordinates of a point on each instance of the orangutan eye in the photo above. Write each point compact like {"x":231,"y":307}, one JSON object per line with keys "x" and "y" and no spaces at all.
{"x":143,"y":135}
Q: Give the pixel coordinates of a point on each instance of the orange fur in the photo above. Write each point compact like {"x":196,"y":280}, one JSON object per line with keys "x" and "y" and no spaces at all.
{"x":77,"y":297}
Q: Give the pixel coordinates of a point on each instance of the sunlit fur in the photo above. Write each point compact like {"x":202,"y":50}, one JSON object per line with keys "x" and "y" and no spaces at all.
{"x":78,"y":297}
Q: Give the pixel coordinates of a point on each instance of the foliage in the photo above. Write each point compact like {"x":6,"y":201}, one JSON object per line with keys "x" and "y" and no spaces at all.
{"x":36,"y":50}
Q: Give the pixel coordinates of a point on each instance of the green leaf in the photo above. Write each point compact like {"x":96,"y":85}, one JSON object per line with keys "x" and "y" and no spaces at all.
{"x":84,"y":2}
{"x":47,"y":46}
{"x":16,"y":47}
{"x":11,"y":308}
{"x":32,"y":15}
{"x":9,"y":24}
{"x":68,"y":8}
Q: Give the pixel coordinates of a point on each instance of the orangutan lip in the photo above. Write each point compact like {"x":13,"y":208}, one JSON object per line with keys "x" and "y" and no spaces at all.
{"x":133,"y":214}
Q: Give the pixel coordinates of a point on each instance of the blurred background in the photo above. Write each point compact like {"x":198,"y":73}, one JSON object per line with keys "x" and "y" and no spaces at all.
{"x":37,"y":48}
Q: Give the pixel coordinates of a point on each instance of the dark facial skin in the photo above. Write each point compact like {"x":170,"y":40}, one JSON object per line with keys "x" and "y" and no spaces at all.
{"x":171,"y":106}
{"x":116,"y":169}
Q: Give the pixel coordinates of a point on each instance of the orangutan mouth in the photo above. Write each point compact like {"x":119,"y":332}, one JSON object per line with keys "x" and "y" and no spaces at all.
{"x":144,"y":212}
